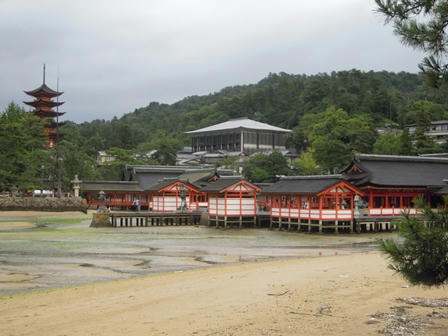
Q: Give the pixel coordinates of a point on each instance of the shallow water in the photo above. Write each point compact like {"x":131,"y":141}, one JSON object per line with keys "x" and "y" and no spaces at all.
{"x":60,"y":252}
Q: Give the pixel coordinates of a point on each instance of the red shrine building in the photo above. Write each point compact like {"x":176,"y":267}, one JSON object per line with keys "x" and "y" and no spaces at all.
{"x":390,"y":184}
{"x":166,"y":195}
{"x":231,"y":200}
{"x":44,"y":105}
{"x":366,"y":196}
{"x":321,"y":201}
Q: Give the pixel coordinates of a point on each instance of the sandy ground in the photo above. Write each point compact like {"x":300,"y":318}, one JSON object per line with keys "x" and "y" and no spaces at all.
{"x":16,"y":225}
{"x":309,"y":296}
{"x":28,"y":214}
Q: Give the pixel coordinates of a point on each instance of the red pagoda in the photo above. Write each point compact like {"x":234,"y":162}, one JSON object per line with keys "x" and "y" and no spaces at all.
{"x":44,"y":105}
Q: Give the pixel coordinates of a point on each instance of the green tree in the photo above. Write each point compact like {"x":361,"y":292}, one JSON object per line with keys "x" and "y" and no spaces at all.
{"x":421,"y":256}
{"x":22,"y":151}
{"x":387,"y":143}
{"x":422,"y":24}
{"x":336,"y":136}
{"x":405,"y":143}
{"x":306,"y":165}
{"x":266,"y":168}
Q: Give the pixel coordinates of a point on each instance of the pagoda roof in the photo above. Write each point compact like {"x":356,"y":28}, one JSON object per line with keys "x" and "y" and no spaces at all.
{"x":240,"y":123}
{"x":43,"y":90}
{"x":40,"y":103}
{"x":47,"y":113}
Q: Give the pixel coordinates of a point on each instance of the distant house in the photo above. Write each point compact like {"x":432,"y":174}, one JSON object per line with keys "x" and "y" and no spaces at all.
{"x":438,"y":131}
{"x":239,"y":135}
{"x":104,"y":159}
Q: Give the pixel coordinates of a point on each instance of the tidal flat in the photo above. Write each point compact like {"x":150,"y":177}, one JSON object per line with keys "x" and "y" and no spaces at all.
{"x":51,"y":251}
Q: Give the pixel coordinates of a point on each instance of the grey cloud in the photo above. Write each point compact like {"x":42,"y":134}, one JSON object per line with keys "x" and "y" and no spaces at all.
{"x":115,"y":56}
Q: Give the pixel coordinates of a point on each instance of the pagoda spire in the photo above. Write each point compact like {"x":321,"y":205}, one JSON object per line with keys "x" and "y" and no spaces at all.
{"x":43,"y":104}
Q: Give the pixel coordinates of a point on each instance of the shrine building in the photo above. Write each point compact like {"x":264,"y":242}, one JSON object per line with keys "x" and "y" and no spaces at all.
{"x":391,"y":184}
{"x":306,"y":202}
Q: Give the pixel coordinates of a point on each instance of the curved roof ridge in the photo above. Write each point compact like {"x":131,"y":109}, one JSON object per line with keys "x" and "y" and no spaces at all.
{"x":243,"y":122}
{"x":45,"y":89}
{"x":311,"y":177}
{"x":378,"y":157}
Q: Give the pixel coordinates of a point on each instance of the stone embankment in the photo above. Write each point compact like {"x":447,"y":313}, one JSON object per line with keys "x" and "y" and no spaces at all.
{"x":43,"y":204}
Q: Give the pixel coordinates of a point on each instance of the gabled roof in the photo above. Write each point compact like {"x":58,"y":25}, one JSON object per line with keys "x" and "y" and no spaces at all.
{"x":132,"y":171}
{"x":148,"y":176}
{"x":194,"y":177}
{"x":167,"y":182}
{"x":222,"y":183}
{"x":147,"y":180}
{"x":303,"y":185}
{"x":240,"y":123}
{"x":397,"y":171}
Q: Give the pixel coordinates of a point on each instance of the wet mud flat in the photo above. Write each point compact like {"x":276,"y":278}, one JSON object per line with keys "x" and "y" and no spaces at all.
{"x":51,"y":252}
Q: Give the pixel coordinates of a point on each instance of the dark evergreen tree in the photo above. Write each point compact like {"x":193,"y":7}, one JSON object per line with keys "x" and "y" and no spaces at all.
{"x":422,"y":24}
{"x":421,"y":257}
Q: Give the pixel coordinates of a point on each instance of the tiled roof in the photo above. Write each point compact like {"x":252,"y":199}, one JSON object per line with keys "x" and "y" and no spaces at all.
{"x":222,"y":183}
{"x":399,"y":171}
{"x":110,"y":186}
{"x":46,"y":89}
{"x":240,"y":123}
{"x":303,"y":185}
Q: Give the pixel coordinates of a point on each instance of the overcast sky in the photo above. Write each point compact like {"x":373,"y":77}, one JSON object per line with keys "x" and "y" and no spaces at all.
{"x":115,"y":56}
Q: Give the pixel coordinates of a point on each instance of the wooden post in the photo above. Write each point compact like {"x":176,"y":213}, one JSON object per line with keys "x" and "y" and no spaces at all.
{"x":320,"y":225}
{"x":336,"y":228}
{"x":241,"y":222}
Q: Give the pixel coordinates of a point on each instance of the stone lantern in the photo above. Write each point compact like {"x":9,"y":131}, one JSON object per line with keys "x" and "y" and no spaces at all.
{"x":101,"y":200}
{"x":183,"y":197}
{"x":101,"y":217}
{"x":76,"y":185}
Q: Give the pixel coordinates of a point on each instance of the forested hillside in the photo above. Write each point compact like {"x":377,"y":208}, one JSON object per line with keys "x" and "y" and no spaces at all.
{"x":279,"y":99}
{"x":331,"y":115}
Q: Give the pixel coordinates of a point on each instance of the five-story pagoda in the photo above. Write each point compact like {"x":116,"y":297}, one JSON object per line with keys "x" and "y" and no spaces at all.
{"x":44,"y":105}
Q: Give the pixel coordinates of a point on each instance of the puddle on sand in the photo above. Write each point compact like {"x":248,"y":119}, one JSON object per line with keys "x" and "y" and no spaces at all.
{"x":17,"y":277}
{"x":85,"y":255}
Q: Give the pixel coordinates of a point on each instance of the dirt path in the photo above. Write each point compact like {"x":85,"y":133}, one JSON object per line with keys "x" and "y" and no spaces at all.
{"x":315,"y":296}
